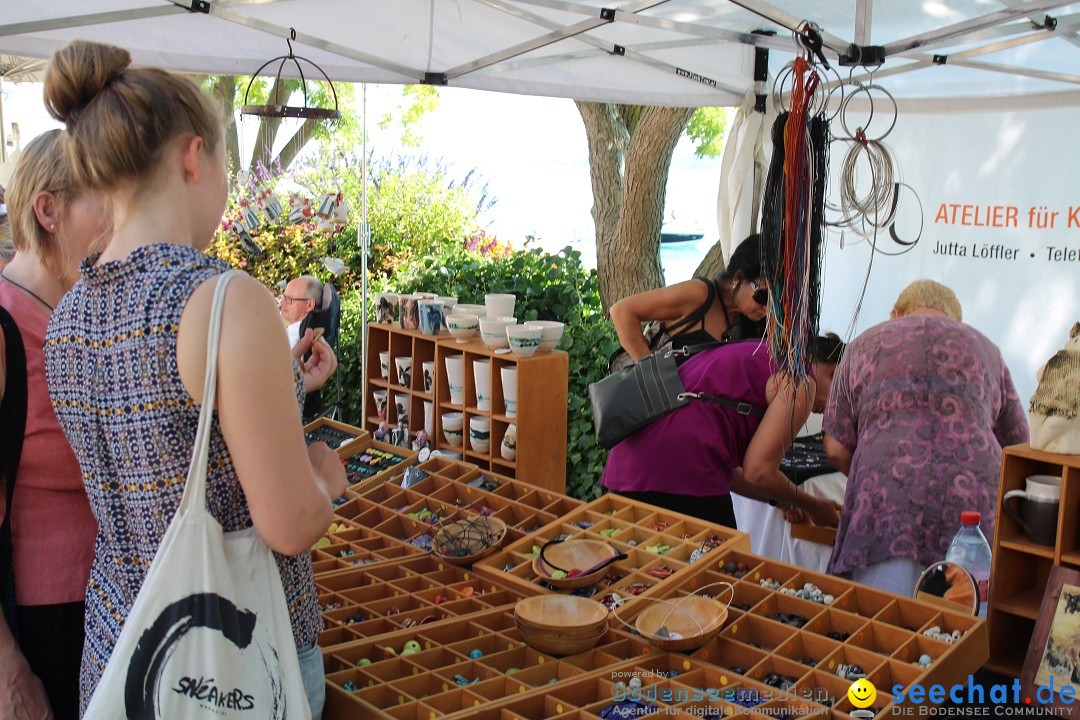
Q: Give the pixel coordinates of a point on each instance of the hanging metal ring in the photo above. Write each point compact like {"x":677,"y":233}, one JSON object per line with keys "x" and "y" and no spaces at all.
{"x":281,"y":109}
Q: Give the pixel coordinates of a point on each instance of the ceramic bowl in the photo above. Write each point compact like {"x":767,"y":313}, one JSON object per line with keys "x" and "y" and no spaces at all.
{"x":462,"y":326}
{"x":477,"y":310}
{"x":452,"y":427}
{"x":493,"y":331}
{"x":553,"y":331}
{"x":524,"y":340}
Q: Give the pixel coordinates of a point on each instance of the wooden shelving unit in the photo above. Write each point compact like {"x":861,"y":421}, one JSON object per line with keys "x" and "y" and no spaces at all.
{"x":1021,"y":568}
{"x":541,"y":401}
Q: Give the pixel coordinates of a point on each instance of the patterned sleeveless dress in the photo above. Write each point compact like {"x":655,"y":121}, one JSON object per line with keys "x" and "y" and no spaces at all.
{"x":110,"y":355}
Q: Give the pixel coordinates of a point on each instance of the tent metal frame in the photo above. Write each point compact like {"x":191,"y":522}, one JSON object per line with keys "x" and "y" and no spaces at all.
{"x":510,"y":58}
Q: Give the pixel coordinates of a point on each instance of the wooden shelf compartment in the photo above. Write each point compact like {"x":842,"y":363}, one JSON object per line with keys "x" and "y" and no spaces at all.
{"x":1020,"y":567}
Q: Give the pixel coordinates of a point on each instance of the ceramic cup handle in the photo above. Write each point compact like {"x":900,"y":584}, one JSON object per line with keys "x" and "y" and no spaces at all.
{"x":1007,"y":507}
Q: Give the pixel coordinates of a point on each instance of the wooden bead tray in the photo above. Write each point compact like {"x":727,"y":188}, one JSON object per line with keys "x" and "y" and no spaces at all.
{"x":409,"y":592}
{"x":637,"y":526}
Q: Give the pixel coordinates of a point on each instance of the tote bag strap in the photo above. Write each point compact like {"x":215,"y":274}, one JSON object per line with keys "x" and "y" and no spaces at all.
{"x":195,"y":488}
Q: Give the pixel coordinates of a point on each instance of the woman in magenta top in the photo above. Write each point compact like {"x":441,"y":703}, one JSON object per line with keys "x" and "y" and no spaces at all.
{"x":921,"y":407}
{"x":54,"y":225}
{"x":692,"y":459}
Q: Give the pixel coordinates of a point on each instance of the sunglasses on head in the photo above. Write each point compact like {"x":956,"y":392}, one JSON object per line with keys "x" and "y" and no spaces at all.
{"x":761,"y":295}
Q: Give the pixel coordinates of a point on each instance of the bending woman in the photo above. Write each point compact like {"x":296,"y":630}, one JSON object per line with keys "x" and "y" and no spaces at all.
{"x":689,"y":461}
{"x":730,"y":307}
{"x":54,"y":226}
{"x":126,"y":353}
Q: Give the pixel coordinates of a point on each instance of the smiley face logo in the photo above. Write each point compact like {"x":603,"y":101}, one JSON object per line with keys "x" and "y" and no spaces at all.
{"x":862,"y":693}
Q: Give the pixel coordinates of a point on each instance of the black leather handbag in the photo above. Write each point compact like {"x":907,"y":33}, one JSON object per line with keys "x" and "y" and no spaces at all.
{"x":628,"y":400}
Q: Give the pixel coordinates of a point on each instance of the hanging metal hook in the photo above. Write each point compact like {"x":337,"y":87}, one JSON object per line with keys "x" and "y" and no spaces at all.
{"x":288,"y":40}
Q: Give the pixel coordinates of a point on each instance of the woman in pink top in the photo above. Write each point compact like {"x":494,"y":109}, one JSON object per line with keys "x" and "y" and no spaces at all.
{"x":54,"y":226}
{"x":689,"y":461}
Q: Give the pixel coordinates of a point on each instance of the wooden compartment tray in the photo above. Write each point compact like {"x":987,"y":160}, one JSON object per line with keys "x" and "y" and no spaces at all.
{"x":633,"y":528}
{"x":473,"y":663}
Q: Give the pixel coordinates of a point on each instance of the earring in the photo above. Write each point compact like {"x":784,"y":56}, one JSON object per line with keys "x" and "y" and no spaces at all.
{"x":52,"y":228}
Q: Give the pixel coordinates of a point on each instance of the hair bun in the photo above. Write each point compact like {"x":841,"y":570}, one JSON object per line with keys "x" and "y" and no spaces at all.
{"x":79,"y":72}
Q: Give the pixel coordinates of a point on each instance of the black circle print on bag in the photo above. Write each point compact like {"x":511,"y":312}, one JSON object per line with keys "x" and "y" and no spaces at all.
{"x":212,"y":612}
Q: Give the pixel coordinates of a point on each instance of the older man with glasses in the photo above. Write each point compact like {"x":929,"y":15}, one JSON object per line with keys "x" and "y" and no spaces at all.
{"x":300,"y":297}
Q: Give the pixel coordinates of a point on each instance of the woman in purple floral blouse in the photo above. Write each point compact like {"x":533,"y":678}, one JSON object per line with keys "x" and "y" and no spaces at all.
{"x":920,"y":408}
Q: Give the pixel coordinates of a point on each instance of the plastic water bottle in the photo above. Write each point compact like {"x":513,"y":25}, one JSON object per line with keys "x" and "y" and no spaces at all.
{"x":970,"y":549}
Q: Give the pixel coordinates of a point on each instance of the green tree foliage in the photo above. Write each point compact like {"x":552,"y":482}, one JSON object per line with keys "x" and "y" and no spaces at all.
{"x":708,"y":129}
{"x":417,"y":102}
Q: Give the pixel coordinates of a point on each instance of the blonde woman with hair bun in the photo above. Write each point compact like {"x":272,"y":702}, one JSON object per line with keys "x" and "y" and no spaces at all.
{"x":126,"y":352}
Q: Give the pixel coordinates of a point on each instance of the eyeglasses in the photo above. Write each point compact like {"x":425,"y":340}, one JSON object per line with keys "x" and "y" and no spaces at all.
{"x":761,"y":295}
{"x":291,"y":300}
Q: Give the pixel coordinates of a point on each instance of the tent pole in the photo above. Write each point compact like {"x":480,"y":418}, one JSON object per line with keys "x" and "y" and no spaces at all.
{"x":3,"y":133}
{"x":961,"y":29}
{"x":792,"y":23}
{"x":365,"y":243}
{"x":864,"y":12}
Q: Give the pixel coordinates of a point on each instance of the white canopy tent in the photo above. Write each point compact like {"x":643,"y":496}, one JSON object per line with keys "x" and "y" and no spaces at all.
{"x":1007,"y":68}
{"x":660,"y":52}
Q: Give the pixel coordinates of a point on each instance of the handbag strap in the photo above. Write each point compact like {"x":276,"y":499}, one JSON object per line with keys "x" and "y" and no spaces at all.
{"x":739,"y":406}
{"x":13,"y":422}
{"x":195,"y":487}
{"x":698,"y":315}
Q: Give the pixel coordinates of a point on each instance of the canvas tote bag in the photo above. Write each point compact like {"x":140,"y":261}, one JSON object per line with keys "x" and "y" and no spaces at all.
{"x":209,"y":634}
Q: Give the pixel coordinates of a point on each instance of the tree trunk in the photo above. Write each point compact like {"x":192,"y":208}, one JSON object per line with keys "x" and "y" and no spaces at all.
{"x":630,"y":151}
{"x":296,"y":143}
{"x":223,"y":89}
{"x":713,"y":263}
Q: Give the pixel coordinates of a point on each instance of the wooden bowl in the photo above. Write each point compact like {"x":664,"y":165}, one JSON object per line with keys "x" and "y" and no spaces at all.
{"x":570,"y":555}
{"x":469,"y":539}
{"x":697,"y":619}
{"x":561,"y":624}
{"x":561,"y":643}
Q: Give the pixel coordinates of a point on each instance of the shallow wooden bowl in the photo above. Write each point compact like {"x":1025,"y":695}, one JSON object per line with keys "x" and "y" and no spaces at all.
{"x":571,"y":555}
{"x":561,"y":642}
{"x":465,"y":541}
{"x":697,"y":619}
{"x":561,"y":624}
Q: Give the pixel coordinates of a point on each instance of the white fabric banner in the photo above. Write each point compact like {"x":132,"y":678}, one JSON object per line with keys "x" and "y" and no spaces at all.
{"x":1001,"y":227}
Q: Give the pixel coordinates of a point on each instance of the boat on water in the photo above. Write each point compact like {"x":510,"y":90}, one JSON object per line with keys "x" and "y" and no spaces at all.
{"x":674,"y":232}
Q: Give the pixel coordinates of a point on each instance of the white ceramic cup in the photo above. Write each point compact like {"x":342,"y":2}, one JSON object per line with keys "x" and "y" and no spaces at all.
{"x":384,"y":364}
{"x":455,"y":378}
{"x":1043,"y":487}
{"x":380,"y":402}
{"x":401,"y":402}
{"x":493,"y":330}
{"x":452,"y":427}
{"x":386,"y":307}
{"x":429,"y":417}
{"x":429,"y":375}
{"x":479,"y":434}
{"x":482,"y":382}
{"x":500,"y":304}
{"x":404,"y":371}
{"x":508,"y":448}
{"x":509,"y":388}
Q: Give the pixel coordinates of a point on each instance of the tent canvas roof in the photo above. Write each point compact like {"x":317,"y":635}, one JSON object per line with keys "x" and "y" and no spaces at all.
{"x":670,"y":52}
